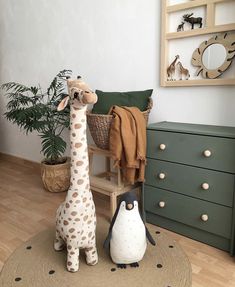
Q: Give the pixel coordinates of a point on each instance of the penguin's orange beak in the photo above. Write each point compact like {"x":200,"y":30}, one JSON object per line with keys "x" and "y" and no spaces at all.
{"x":129,"y":206}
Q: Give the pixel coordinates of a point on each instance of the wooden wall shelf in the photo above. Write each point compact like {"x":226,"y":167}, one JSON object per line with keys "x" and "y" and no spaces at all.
{"x":202,"y":31}
{"x":210,"y":27}
{"x":201,"y":82}
{"x":192,"y":4}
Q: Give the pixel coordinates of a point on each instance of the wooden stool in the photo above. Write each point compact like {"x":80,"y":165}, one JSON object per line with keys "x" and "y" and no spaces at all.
{"x":108,"y":182}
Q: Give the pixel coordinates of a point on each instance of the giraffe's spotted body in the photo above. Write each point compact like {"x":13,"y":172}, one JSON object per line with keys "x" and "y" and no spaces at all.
{"x":76,"y":218}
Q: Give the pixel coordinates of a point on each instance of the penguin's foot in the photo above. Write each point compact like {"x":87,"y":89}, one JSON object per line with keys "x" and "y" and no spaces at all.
{"x":122,"y":266}
{"x":135,"y":264}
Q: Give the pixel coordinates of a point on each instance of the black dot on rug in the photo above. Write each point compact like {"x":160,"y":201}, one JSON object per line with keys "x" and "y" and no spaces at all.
{"x":51,"y":272}
{"x":157,"y":232}
{"x":29,"y":247}
{"x":171,"y":246}
{"x":113,"y":269}
{"x":17,"y":279}
{"x":159,"y":265}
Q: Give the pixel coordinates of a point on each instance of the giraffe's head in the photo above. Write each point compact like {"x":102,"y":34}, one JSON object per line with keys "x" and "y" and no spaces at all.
{"x":79,"y":95}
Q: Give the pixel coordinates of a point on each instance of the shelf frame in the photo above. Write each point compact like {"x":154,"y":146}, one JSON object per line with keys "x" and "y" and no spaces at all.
{"x":210,"y":28}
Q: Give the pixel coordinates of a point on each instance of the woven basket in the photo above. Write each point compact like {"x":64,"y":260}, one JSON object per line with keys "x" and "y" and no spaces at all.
{"x":99,"y":126}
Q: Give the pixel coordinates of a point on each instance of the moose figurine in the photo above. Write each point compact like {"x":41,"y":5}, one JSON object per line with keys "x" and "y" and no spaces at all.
{"x":193,"y":20}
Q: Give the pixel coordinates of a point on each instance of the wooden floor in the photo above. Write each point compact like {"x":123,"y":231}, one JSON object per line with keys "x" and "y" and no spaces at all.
{"x":26,"y":208}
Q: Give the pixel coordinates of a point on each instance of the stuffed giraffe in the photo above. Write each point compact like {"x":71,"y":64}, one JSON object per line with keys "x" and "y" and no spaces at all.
{"x":76,"y":218}
{"x":171,"y":69}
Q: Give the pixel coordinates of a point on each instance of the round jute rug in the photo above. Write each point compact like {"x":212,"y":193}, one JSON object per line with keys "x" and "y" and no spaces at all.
{"x":36,"y":264}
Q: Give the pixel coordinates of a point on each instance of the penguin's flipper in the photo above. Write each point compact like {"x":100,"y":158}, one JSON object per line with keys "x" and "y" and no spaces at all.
{"x":109,"y":236}
{"x":107,"y":241}
{"x":149,"y":236}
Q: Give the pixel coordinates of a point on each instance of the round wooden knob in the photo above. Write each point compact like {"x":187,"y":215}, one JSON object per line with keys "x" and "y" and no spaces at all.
{"x":162,"y":146}
{"x":207,"y":153}
{"x":205,"y":186}
{"x":204,"y":217}
{"x":161,"y":204}
{"x":162,"y":175}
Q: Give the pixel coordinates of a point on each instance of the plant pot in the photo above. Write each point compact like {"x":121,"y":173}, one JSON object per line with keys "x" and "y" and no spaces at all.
{"x":56,"y":178}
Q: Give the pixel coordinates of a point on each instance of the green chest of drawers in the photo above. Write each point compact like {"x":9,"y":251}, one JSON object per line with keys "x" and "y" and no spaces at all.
{"x":190,"y":183}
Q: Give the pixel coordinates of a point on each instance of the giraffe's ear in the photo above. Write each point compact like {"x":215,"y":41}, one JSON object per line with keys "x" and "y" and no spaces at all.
{"x":62,"y":105}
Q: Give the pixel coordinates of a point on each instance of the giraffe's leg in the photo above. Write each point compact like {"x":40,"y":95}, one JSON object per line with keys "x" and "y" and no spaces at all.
{"x":58,"y":242}
{"x":72,"y":258}
{"x":91,"y":255}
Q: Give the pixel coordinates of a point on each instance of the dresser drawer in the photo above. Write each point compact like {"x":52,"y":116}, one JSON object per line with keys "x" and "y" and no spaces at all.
{"x":189,"y":149}
{"x":189,"y":211}
{"x":205,"y":184}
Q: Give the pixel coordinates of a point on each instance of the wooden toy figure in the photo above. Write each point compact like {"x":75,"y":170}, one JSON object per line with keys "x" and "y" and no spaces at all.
{"x":171,"y":69}
{"x":126,"y":241}
{"x":76,"y":218}
{"x":183,"y":71}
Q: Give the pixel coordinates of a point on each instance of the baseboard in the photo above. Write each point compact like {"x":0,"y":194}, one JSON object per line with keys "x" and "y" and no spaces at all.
{"x":19,"y":161}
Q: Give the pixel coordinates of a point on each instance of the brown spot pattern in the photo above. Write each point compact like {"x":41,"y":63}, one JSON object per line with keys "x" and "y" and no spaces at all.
{"x":77,"y":145}
{"x":75,"y":194}
{"x":80,"y":181}
{"x":77,"y":126}
{"x":79,"y":163}
{"x":66,"y":222}
{"x":73,"y":213}
{"x":71,"y":230}
{"x":85,"y":217}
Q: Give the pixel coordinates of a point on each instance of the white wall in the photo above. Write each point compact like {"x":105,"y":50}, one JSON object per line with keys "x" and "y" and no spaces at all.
{"x":113,"y":44}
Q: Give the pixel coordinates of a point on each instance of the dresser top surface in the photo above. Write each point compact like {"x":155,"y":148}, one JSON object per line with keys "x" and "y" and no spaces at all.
{"x":219,"y":131}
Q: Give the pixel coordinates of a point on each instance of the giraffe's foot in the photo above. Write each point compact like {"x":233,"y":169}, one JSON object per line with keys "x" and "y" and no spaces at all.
{"x":91,"y":256}
{"x":58,"y":246}
{"x":58,"y":242}
{"x":72,"y":268}
{"x":122,"y":266}
{"x":72,"y":259}
{"x":135,"y":264}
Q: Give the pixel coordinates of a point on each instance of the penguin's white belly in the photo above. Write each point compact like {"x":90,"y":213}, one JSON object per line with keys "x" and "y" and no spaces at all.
{"x":128,"y":242}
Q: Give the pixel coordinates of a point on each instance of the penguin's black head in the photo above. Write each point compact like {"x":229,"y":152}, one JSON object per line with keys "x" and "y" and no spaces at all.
{"x":129,"y":199}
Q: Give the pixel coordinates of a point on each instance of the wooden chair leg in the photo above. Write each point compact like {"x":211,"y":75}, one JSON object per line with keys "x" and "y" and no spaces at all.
{"x":113,"y":203}
{"x":107,"y":167}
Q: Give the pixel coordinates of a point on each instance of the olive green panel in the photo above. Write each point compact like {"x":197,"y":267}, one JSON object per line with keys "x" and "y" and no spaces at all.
{"x":188,"y":149}
{"x":189,"y":210}
{"x":210,"y":130}
{"x":188,"y":180}
{"x":194,"y":233}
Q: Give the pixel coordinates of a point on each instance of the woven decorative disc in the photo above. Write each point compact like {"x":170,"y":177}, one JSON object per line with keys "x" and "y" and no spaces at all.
{"x":36,"y":264}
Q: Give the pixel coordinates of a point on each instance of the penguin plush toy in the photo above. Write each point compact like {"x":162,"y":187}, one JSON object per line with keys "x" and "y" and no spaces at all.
{"x":127,"y":237}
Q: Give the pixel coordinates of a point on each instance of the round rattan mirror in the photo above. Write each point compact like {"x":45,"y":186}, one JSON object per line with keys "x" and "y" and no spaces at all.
{"x":214,"y":56}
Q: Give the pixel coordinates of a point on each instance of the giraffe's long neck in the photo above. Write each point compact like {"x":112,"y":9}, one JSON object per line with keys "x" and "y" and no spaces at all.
{"x":79,"y":155}
{"x":173,"y":63}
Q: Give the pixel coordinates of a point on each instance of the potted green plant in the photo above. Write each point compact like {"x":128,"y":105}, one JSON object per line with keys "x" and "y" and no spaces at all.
{"x":34,"y":110}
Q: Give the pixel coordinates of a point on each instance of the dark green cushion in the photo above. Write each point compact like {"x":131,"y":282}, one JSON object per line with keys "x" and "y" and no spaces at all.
{"x":106,"y":100}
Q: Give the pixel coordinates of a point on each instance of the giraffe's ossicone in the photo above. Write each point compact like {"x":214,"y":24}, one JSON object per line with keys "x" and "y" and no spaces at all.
{"x":76,"y":217}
